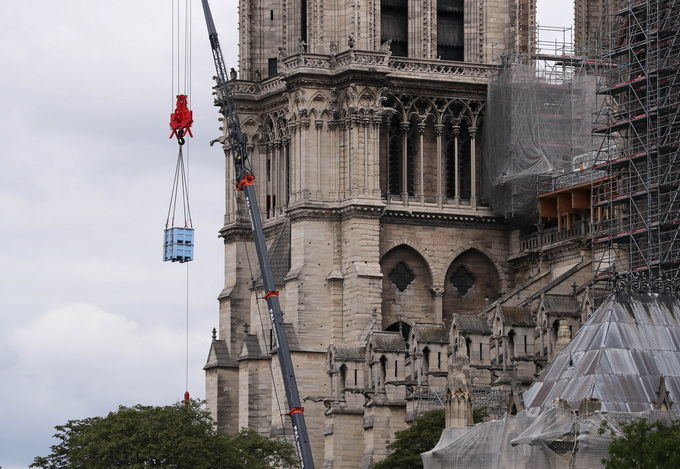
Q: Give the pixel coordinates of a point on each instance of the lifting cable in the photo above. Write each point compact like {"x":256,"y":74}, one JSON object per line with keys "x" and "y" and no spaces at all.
{"x":179,"y":231}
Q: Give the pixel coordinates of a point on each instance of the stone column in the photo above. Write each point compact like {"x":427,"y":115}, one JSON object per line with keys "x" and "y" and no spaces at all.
{"x":260,"y":170}
{"x":365,"y":122}
{"x":473,"y":167}
{"x":421,"y":181}
{"x":438,"y":294}
{"x":230,"y":196}
{"x":375,"y":164}
{"x":277,"y":178}
{"x":318,"y":124}
{"x":269,"y":183}
{"x":456,"y":133}
{"x":334,"y":186}
{"x":284,"y":170}
{"x":304,"y":145}
{"x":404,"y":162}
{"x":292,"y":159}
{"x":439,"y":130}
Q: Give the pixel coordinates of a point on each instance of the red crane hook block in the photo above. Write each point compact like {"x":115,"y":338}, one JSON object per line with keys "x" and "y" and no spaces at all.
{"x":181,"y":119}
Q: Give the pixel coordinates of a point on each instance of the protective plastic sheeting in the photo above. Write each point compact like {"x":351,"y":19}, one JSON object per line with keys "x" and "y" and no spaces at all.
{"x":535,"y":132}
{"x":616,"y":361}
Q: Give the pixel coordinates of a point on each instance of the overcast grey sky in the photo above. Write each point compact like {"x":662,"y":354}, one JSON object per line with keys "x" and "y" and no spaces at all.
{"x":90,"y":316}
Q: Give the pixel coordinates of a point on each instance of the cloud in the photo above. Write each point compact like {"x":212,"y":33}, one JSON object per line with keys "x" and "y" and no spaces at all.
{"x":76,"y":361}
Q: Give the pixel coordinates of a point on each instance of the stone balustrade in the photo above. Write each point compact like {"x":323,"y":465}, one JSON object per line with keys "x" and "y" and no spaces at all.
{"x":354,"y":59}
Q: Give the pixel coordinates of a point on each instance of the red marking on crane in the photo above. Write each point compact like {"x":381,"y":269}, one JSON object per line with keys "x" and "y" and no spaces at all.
{"x":186,"y":397}
{"x":247,"y":180}
{"x":271,"y":293}
{"x":296,"y":410}
{"x":181,"y":120}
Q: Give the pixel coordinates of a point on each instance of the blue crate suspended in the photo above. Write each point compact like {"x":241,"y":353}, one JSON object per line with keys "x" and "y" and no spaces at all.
{"x":178,"y":245}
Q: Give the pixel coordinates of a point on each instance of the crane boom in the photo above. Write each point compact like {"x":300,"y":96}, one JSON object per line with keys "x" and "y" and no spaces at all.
{"x":245,"y":181}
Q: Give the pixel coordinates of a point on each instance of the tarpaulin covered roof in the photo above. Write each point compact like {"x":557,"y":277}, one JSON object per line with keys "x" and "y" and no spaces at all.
{"x":618,"y":357}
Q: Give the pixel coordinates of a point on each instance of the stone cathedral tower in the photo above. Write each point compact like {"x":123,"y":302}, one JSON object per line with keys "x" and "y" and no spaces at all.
{"x":363,"y":118}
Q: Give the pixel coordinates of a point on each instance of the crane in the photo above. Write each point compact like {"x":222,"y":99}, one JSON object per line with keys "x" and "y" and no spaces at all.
{"x":245,"y":182}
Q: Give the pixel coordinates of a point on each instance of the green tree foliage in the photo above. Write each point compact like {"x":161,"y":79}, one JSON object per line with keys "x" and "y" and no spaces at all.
{"x":644,"y":445}
{"x":181,"y":436}
{"x":420,"y":437}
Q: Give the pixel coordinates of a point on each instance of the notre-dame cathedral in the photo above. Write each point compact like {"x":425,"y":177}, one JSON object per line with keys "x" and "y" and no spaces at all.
{"x":364,"y":120}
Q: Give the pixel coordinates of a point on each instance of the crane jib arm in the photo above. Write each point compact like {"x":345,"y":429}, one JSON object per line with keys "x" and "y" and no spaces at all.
{"x":245,"y":181}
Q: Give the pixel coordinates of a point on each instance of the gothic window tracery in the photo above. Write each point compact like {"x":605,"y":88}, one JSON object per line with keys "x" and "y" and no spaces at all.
{"x":402,"y":276}
{"x":463,"y":280}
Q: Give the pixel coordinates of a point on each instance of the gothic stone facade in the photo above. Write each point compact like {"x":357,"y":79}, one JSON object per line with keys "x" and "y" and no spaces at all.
{"x":401,"y":290}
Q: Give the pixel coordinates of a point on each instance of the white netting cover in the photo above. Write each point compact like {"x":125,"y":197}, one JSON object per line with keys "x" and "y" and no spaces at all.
{"x":533,"y":130}
{"x":556,"y":438}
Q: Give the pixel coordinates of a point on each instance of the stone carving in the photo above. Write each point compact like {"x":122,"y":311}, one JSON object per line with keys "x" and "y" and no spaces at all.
{"x":351,"y":42}
{"x":563,"y":336}
{"x":402,"y":276}
{"x":645,"y":283}
{"x":232,"y":74}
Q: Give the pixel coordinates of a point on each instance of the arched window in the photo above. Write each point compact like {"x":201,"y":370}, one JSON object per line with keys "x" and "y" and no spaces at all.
{"x":457,"y":136}
{"x":450,"y":33}
{"x":394,"y":25}
{"x":426,"y":360}
{"x":403,"y":328}
{"x":383,"y":372}
{"x":303,"y":21}
{"x":406,"y":285}
{"x":343,"y":379}
{"x":394,"y":157}
{"x":472,"y":280}
{"x":511,"y":344}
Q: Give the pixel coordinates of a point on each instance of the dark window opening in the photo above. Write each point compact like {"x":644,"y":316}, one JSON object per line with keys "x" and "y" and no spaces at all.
{"x":402,"y":276}
{"x":271,"y":15}
{"x":396,"y":362}
{"x":463,"y":280}
{"x":439,"y":360}
{"x":480,"y":352}
{"x":394,"y":25}
{"x":273,"y":67}
{"x":303,"y":20}
{"x":525,"y":344}
{"x":511,"y":344}
{"x":383,"y":371}
{"x":463,"y":162}
{"x":394,"y":160}
{"x":355,"y":377}
{"x":400,"y":327}
{"x":450,"y":32}
{"x":343,"y":377}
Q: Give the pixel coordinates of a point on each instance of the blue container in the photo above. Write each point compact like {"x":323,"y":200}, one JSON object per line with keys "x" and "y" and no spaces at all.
{"x":178,"y":245}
